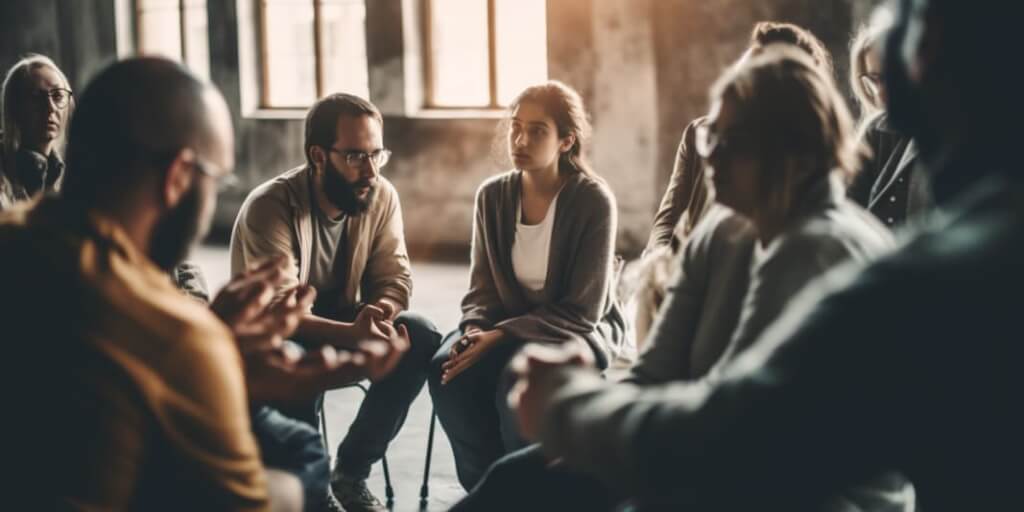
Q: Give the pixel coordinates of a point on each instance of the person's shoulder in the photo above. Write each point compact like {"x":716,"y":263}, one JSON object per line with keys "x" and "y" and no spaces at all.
{"x":182,"y":330}
{"x":497,"y":184}
{"x":594,"y":190}
{"x":502,"y":179}
{"x":272,"y":194}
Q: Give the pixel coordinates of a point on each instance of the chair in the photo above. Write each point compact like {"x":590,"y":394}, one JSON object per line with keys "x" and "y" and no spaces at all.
{"x":389,"y":491}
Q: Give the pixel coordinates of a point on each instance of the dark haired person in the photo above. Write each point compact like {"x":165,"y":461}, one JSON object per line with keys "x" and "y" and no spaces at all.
{"x":338,"y":225}
{"x":543,"y":251}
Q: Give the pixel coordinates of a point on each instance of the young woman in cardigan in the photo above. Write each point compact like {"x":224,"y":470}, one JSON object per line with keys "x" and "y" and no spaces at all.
{"x":541,"y":271}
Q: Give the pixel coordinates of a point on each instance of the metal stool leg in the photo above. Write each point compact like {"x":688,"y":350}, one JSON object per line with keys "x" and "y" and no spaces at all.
{"x":425,"y":488}
{"x":323,"y":425}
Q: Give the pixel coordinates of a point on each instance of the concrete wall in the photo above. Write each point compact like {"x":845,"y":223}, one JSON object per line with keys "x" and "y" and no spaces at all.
{"x":642,"y":66}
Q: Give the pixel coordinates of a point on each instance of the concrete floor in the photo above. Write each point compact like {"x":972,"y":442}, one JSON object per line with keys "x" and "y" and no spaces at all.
{"x":438,"y":289}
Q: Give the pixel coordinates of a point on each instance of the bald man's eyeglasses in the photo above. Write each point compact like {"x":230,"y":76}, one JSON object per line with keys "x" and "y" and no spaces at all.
{"x":60,"y":96}
{"x":226,"y":181}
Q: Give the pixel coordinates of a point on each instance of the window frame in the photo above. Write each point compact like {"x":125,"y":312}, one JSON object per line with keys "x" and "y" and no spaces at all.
{"x":426,"y":30}
{"x":264,"y":103}
{"x":138,"y":32}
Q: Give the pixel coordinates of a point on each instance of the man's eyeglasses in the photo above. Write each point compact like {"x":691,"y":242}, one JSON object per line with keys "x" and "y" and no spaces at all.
{"x":379,"y":157}
{"x":226,"y":181}
{"x":59,"y":96}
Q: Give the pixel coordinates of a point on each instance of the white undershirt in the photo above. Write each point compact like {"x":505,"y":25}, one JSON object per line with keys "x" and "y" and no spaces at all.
{"x":530,"y":250}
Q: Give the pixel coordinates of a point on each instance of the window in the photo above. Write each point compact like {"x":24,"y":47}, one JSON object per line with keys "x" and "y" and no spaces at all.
{"x":482,"y":53}
{"x":311,"y":48}
{"x":176,"y":29}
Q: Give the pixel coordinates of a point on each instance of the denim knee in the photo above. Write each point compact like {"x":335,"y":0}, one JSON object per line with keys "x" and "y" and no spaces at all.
{"x":424,"y":338}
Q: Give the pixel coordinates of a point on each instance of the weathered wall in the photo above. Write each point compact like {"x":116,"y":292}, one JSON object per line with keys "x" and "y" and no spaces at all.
{"x":642,"y":66}
{"x":77,"y":34}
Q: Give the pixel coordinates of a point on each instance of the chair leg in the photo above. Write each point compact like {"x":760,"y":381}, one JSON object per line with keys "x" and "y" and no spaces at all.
{"x":425,"y":488}
{"x":389,"y":492}
{"x":323,"y":427}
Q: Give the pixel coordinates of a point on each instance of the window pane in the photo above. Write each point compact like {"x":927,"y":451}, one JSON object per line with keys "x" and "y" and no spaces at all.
{"x":159,"y":28}
{"x":520,"y":46}
{"x":288,"y":59}
{"x":343,"y":47}
{"x":459,"y":53}
{"x":197,"y":39}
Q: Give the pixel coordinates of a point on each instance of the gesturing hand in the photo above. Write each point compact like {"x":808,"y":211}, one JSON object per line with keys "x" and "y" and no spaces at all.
{"x":247,"y":306}
{"x":374,"y":336}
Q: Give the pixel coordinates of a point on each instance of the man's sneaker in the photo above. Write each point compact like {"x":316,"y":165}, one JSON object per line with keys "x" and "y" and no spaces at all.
{"x":355,"y":496}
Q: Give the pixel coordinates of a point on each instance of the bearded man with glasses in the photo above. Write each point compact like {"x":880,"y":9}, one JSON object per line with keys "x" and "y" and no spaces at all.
{"x":338,"y":224}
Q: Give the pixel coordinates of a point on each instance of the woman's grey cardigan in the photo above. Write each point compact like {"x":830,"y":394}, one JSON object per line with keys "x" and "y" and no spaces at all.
{"x":578,"y":299}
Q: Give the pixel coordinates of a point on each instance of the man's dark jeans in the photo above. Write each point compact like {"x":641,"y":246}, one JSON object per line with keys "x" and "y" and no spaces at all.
{"x":473,"y":408}
{"x":385,"y":407}
{"x":293,"y":446}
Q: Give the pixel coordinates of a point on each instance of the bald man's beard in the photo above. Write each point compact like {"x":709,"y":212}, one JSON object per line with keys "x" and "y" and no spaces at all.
{"x":342,"y":194}
{"x":175,"y":234}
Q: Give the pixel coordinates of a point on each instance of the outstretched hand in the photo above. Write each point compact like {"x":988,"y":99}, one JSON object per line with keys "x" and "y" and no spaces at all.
{"x":247,"y":305}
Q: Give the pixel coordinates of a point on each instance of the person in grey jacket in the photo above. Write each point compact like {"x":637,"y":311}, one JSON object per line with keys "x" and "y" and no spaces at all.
{"x":824,"y":397}
{"x":541,"y":271}
{"x":783,"y":221}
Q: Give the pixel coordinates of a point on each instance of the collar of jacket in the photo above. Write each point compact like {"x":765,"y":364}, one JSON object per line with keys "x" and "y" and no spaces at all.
{"x":34,"y":173}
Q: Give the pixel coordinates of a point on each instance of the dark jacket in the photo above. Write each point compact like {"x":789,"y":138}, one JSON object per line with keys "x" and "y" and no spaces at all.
{"x":891,"y":184}
{"x":27,"y":175}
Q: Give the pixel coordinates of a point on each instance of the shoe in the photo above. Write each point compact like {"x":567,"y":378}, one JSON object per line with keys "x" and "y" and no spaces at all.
{"x":354,"y":496}
{"x":332,"y":504}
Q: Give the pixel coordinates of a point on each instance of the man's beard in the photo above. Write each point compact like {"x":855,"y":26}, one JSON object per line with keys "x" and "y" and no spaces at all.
{"x":176,"y":232}
{"x":342,"y":194}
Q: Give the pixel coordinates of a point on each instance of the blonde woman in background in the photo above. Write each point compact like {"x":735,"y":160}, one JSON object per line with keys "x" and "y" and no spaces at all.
{"x":889,"y":184}
{"x":37,"y":104}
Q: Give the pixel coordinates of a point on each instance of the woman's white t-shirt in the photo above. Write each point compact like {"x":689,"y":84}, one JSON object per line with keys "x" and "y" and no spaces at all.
{"x":530,"y":250}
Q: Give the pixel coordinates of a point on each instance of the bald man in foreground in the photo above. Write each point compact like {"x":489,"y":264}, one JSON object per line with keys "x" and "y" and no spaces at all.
{"x":125,"y":394}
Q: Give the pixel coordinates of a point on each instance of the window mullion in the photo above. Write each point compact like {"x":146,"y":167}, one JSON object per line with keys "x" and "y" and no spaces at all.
{"x":263,"y":56}
{"x":182,"y":29}
{"x":318,"y":48}
{"x":492,"y":52}
{"x":427,"y":21}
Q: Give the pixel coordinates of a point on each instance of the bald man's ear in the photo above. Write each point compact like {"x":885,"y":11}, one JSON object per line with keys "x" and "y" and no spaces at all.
{"x":178,"y":177}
